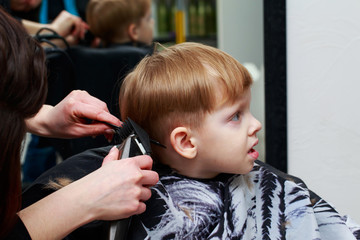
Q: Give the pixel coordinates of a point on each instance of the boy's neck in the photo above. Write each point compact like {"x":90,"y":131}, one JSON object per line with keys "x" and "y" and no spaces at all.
{"x":191,"y":168}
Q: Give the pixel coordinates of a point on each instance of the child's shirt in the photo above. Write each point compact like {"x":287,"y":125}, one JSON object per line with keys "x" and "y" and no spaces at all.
{"x":264,"y":204}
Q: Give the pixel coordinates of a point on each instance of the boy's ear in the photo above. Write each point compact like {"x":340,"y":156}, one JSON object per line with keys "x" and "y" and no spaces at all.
{"x":181,"y":140}
{"x":132,"y":32}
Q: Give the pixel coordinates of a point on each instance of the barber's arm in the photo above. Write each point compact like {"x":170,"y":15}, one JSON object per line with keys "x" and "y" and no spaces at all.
{"x":116,"y":190}
{"x":70,"y":118}
{"x":71,"y":27}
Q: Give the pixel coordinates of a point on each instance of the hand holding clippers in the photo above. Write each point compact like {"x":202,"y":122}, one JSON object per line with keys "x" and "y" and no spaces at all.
{"x":134,"y":141}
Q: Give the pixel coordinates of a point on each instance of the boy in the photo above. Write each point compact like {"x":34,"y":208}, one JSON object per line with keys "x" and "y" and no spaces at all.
{"x":199,"y":107}
{"x":195,"y":100}
{"x":121,"y":21}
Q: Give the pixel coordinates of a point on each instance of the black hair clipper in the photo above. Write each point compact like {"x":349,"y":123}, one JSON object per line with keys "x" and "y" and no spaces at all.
{"x":134,"y":141}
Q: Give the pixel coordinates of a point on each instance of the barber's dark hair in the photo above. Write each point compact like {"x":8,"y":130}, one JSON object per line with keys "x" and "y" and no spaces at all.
{"x":23,"y":89}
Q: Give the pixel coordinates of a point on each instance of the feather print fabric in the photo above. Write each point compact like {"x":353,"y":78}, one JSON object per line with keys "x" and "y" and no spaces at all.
{"x":264,"y":204}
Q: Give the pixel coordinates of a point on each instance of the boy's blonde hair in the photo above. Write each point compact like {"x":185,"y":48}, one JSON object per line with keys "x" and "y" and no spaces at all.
{"x":110,"y":18}
{"x":177,"y":86}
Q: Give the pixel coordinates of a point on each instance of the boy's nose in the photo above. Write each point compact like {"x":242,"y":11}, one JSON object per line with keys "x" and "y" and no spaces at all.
{"x":255,"y":126}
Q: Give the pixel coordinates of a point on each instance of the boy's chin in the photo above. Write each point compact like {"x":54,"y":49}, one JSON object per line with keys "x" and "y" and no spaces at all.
{"x":248,"y":168}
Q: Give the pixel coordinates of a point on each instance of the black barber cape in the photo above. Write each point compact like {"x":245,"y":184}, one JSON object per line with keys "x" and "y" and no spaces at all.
{"x":263,"y":204}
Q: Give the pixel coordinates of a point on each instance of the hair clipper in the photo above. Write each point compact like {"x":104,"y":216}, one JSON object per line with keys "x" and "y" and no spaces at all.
{"x":134,"y":141}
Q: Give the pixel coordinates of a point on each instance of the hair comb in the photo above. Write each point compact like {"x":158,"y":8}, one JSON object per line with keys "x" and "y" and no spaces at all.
{"x":130,"y":127}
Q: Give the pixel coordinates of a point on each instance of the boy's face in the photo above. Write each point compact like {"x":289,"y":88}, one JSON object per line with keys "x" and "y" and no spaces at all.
{"x":226,"y":139}
{"x":145,"y":28}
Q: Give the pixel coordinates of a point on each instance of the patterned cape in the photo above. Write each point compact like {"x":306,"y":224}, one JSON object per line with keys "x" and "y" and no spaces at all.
{"x":263,"y":204}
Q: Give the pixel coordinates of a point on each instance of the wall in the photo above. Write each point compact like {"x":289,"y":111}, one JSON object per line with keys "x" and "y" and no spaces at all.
{"x":240,"y":33}
{"x":323,"y":51}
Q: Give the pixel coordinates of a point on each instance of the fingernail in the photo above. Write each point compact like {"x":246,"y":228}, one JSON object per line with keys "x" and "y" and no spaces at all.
{"x":109,"y":131}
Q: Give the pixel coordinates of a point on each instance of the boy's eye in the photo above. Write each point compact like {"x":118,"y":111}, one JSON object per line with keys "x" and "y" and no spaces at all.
{"x":236,"y":117}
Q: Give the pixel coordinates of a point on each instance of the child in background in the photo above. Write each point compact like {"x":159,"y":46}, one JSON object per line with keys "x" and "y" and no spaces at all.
{"x":121,"y":21}
{"x":195,"y":100}
{"x":125,"y":29}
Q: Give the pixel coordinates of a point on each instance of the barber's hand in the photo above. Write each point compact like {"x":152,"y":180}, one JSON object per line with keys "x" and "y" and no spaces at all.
{"x":120,"y":187}
{"x":69,"y":118}
{"x":116,"y":190}
{"x":69,"y":26}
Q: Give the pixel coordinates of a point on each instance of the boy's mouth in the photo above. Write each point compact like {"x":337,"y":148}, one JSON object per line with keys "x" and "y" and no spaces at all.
{"x":253,"y":153}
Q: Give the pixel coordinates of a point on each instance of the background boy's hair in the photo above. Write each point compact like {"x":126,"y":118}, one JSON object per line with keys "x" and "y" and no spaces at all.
{"x":177,"y":86}
{"x":110,"y":18}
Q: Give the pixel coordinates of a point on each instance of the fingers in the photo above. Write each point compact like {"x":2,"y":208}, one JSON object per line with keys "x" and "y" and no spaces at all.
{"x":79,"y":27}
{"x":93,"y":108}
{"x":84,"y":106}
{"x":145,"y":194}
{"x":66,"y":23}
{"x":85,"y":97}
{"x":73,"y":112}
{"x":76,"y":26}
{"x":81,"y":128}
{"x":141,"y":208}
{"x":141,"y":205}
{"x":149,"y":178}
{"x":84,"y":29}
{"x":144,"y":161}
{"x":127,"y":184}
{"x":113,"y":155}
